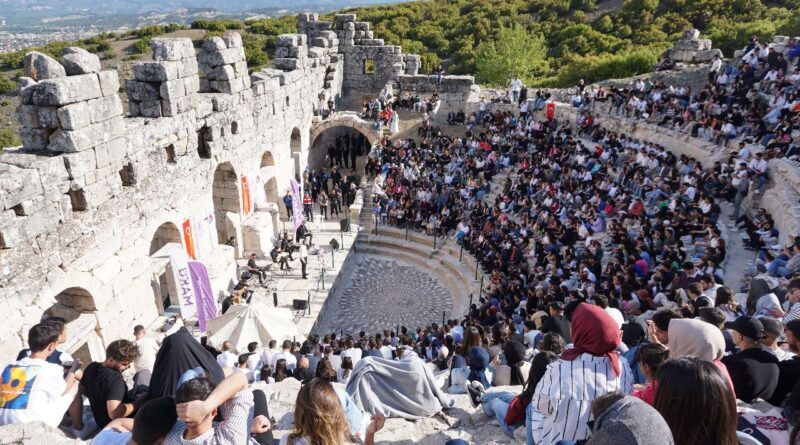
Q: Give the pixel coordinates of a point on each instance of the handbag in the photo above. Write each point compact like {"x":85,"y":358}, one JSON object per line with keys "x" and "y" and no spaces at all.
{"x":516,"y":409}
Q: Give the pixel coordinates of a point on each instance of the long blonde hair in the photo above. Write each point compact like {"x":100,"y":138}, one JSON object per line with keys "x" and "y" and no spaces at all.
{"x":319,"y":415}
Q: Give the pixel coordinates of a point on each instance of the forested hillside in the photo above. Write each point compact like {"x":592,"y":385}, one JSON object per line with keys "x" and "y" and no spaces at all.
{"x":569,"y":39}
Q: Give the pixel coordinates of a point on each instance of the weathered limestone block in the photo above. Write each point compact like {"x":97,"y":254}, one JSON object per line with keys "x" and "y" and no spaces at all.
{"x":225,"y":57}
{"x":316,"y":52}
{"x":174,"y":107}
{"x":17,"y":185}
{"x":240,"y":68}
{"x":341,"y":18}
{"x":191,"y":84}
{"x":228,"y":86}
{"x":35,"y":138}
{"x":171,"y":49}
{"x":105,"y":108}
{"x":214,"y":44}
{"x":706,"y":55}
{"x":110,"y":153}
{"x":287,"y":64}
{"x":74,"y":116}
{"x":155,"y":71}
{"x":173,"y":89}
{"x":65,"y":90}
{"x":188,"y":67}
{"x":224,"y":72}
{"x":233,"y":40}
{"x":79,"y":61}
{"x":150,"y":108}
{"x":40,"y":66}
{"x":287,"y":40}
{"x":140,"y":91}
{"x":68,"y":141}
{"x":109,"y":82}
{"x":32,"y":116}
{"x":79,"y":164}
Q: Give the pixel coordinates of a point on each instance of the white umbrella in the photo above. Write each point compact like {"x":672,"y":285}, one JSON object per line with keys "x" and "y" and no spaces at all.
{"x":243,"y":324}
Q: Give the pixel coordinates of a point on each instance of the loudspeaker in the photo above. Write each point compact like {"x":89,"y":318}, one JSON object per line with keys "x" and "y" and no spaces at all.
{"x":344,"y":225}
{"x":299,"y":305}
{"x":334,"y":244}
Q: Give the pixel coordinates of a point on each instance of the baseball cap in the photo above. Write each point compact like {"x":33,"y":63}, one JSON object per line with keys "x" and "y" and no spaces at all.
{"x":772,"y":326}
{"x":749,"y":327}
{"x":191,"y":374}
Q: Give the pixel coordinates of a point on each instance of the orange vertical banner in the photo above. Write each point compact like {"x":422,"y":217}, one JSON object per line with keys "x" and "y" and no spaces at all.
{"x":245,"y":196}
{"x":188,"y":239}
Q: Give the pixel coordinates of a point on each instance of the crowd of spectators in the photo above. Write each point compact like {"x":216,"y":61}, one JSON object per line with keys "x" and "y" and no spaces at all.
{"x":606,"y":303}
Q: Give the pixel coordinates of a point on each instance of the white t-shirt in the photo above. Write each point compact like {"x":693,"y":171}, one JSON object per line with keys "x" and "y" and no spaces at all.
{"x":31,"y":390}
{"x":291,"y":360}
{"x":227,"y":359}
{"x":354,"y":354}
{"x":148,"y":349}
{"x":111,"y":436}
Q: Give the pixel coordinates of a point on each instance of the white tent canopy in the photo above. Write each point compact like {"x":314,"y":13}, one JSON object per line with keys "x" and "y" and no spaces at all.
{"x":243,"y":324}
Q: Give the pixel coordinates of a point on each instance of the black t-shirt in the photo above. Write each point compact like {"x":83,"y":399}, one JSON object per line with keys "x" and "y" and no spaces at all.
{"x":559,"y":325}
{"x":754,"y":373}
{"x":101,"y":384}
{"x":788,"y":377}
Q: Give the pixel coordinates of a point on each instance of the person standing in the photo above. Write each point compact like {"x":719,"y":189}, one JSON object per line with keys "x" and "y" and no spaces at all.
{"x":322,"y":200}
{"x":741,"y":192}
{"x":148,"y":348}
{"x":303,"y":258}
{"x":287,"y":201}
{"x":308,"y":208}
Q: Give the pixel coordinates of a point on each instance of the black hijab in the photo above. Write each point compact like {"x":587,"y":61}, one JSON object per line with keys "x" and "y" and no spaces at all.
{"x":179,"y":353}
{"x":515,"y":355}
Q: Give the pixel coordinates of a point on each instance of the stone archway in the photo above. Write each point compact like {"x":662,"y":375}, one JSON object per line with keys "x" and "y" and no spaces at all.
{"x":166,"y":240}
{"x":296,"y":150}
{"x":227,"y":203}
{"x":77,"y":307}
{"x":326,"y":132}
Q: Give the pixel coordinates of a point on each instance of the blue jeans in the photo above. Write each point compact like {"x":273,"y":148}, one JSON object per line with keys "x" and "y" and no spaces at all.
{"x":495,"y":404}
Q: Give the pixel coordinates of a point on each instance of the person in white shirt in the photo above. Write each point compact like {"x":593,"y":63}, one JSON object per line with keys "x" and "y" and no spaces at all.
{"x":267,"y":353}
{"x":716,"y":64}
{"x":559,"y":409}
{"x":227,"y":358}
{"x":303,"y":258}
{"x":253,"y":357}
{"x":516,"y":87}
{"x":34,"y":390}
{"x":148,"y":347}
{"x":758,"y":166}
{"x":352,"y":351}
{"x":286,"y":354}
{"x":386,"y":350}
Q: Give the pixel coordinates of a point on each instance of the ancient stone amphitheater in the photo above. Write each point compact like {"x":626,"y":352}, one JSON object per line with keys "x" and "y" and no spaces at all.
{"x":96,"y":199}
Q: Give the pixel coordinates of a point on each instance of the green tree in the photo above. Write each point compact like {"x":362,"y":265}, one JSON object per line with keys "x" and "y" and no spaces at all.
{"x":8,"y":138}
{"x":512,"y":52}
{"x":254,"y":51}
{"x":6,"y":85}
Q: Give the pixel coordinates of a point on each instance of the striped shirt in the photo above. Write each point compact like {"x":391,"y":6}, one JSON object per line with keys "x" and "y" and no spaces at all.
{"x":234,"y":430}
{"x":793,"y":314}
{"x":563,"y":397}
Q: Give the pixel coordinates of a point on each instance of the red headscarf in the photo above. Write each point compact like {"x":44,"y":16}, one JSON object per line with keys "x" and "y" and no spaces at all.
{"x":594,"y":332}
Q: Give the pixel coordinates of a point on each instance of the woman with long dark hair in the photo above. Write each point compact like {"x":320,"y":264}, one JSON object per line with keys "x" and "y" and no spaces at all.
{"x":325,"y":370}
{"x":281,"y":371}
{"x":695,"y":399}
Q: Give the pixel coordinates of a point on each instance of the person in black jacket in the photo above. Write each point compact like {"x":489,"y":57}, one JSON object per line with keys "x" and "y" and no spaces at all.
{"x":557,"y":322}
{"x":754,"y":371}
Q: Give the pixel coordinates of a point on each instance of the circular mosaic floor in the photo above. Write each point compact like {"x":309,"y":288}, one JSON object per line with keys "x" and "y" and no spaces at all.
{"x":381,"y":293}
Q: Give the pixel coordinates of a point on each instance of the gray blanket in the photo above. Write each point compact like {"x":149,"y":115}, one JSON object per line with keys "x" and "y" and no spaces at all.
{"x":405,"y":388}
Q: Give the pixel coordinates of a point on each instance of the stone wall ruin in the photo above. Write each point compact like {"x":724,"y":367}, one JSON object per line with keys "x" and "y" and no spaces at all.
{"x":94,"y":202}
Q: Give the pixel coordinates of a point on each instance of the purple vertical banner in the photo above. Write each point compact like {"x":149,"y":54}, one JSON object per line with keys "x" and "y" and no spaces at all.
{"x":206,"y":306}
{"x":297,"y":204}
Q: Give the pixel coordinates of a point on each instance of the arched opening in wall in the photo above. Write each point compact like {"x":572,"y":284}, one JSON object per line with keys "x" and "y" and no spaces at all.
{"x":166,"y":240}
{"x":345,"y":147}
{"x":296,"y":146}
{"x":267,"y":160}
{"x":234,"y":128}
{"x":271,"y":190}
{"x":227,"y":202}
{"x":203,"y":138}
{"x":76,"y":305}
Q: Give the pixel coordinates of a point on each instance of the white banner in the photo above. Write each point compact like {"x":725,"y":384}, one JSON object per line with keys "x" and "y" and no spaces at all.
{"x":179,"y":264}
{"x":257,"y":182}
{"x":205,"y":231}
